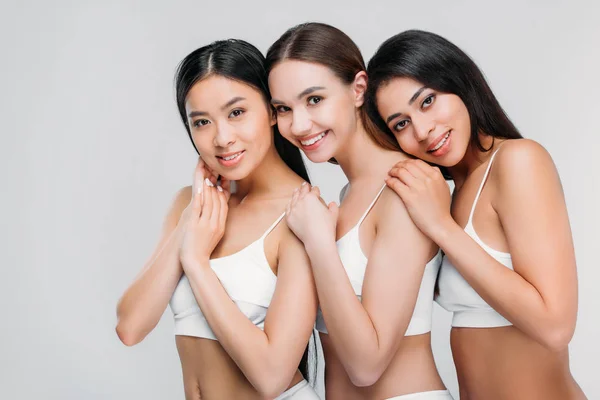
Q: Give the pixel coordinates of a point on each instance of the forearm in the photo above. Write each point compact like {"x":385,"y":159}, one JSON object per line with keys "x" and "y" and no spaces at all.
{"x":142,"y":305}
{"x":258,"y":357}
{"x":353,"y":333}
{"x":503,"y":289}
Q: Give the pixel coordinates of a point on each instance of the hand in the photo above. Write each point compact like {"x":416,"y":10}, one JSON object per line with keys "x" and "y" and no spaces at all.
{"x":206,"y":216}
{"x":424,"y":192}
{"x":309,"y":218}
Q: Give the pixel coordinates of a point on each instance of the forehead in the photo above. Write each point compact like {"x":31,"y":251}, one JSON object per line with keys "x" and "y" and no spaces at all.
{"x":212,"y":92}
{"x":397,"y":92}
{"x":290,"y":77}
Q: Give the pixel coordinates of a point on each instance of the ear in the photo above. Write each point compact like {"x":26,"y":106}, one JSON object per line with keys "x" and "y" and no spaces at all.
{"x":359,"y":88}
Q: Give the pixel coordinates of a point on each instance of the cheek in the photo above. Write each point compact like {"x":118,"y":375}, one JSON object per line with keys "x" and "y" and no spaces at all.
{"x":407,"y":142}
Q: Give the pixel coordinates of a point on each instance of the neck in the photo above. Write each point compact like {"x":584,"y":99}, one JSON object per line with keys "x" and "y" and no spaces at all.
{"x":473,"y":158}
{"x":267,"y":178}
{"x":361,"y":158}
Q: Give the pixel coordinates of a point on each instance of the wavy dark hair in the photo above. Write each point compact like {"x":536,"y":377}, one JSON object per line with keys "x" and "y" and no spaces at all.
{"x":326,"y":45}
{"x":240,"y":61}
{"x":440,"y":65}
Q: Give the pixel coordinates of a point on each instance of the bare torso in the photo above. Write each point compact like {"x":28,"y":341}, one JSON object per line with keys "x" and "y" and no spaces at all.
{"x":209,"y":373}
{"x":412,"y":369}
{"x":502,"y":363}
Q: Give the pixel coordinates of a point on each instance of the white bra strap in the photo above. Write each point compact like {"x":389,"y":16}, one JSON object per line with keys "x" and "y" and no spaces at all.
{"x":371,"y":205}
{"x":487,"y":171}
{"x":272,"y":226}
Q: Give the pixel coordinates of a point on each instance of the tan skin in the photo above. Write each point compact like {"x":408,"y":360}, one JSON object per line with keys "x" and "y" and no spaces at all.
{"x":521,"y":211}
{"x":366,"y":353}
{"x":206,"y":223}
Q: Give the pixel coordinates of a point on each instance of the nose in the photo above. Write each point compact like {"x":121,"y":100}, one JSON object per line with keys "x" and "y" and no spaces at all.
{"x":423,"y":126}
{"x":301,"y":122}
{"x":224,"y":137}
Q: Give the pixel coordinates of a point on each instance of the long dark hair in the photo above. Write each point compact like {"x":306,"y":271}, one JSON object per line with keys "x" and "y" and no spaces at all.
{"x":440,"y":65}
{"x":324,"y":44}
{"x":240,"y":61}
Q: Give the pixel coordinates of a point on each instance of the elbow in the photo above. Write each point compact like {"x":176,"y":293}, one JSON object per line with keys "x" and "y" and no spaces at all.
{"x":271,"y":388}
{"x":128,"y":337}
{"x":272,"y":382}
{"x":364,"y":375}
{"x":557,"y":338}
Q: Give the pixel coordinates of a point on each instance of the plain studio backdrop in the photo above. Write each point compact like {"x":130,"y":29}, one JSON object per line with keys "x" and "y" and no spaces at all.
{"x":93,"y":152}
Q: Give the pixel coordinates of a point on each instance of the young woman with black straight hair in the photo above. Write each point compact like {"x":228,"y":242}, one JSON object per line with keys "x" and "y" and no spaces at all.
{"x":238,"y":281}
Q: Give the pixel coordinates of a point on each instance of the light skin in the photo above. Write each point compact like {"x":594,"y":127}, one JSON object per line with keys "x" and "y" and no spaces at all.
{"x":227,"y":117}
{"x":366,"y":352}
{"x":521,"y":211}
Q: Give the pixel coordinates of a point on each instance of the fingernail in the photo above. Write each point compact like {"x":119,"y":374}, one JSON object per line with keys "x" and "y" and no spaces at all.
{"x":208,"y":182}
{"x":303,"y":183}
{"x":219,"y":188}
{"x":199,"y":189}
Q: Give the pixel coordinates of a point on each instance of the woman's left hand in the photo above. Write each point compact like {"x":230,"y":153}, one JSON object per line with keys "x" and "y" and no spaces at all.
{"x":309,"y":218}
{"x":206,"y":225}
{"x":424,"y":192}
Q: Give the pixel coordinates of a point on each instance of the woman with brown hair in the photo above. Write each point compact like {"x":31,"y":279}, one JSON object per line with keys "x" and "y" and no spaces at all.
{"x":374,"y":270}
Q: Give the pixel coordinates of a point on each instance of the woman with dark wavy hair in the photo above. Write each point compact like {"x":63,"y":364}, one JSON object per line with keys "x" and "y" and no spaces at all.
{"x":239,"y":282}
{"x":509,"y":273}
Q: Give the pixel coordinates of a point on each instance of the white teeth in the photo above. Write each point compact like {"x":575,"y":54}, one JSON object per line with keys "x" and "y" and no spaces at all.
{"x":231,"y":157}
{"x":313,"y":140}
{"x":441,"y":143}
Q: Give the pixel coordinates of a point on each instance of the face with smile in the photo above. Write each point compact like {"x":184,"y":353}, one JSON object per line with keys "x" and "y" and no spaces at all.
{"x":428,"y":124}
{"x":230,"y":124}
{"x":316,"y":110}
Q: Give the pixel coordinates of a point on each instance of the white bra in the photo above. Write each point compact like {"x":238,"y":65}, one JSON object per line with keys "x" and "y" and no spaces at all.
{"x":355,"y":263}
{"x":248,"y":280}
{"x":457,"y":296}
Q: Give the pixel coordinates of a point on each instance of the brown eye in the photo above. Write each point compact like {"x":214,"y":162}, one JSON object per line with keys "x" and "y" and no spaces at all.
{"x":313,"y":100}
{"x":428,"y":101}
{"x":400,"y":125}
{"x":282,"y":109}
{"x":236,"y":113}
{"x":200,"y":122}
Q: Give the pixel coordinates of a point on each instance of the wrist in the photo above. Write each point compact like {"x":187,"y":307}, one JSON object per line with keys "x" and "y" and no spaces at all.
{"x":444,"y":231}
{"x":320,"y":245}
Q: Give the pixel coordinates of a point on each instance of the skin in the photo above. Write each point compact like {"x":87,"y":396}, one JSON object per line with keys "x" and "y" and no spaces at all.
{"x":366,"y":353}
{"x":521,"y":211}
{"x":205,"y":222}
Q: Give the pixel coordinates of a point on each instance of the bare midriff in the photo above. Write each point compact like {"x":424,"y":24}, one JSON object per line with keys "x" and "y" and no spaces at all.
{"x":210,"y":374}
{"x":503,"y":363}
{"x":412,"y":370}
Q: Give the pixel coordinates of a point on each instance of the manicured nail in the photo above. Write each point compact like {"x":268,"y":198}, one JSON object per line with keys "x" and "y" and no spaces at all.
{"x":208,"y":182}
{"x":303,"y":183}
{"x":219,"y":188}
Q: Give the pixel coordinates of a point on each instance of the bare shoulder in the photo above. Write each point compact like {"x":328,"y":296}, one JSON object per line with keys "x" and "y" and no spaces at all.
{"x":524,"y":169}
{"x":522,"y":159}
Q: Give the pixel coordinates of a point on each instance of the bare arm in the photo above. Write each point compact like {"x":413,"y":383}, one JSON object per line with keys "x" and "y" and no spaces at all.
{"x":366,"y":336}
{"x":269,"y":358}
{"x":540,"y":296}
{"x":145,"y":300}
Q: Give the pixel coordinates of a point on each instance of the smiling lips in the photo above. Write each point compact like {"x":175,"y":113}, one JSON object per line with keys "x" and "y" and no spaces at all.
{"x":441,"y":145}
{"x":312,"y":142}
{"x":230,"y":159}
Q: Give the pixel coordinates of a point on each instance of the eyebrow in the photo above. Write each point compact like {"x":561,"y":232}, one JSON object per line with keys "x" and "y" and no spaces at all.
{"x":412,"y":100}
{"x":223,"y":107}
{"x":302,"y":94}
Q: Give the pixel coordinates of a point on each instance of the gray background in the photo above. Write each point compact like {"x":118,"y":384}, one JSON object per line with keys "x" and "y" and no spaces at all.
{"x":92,"y":153}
